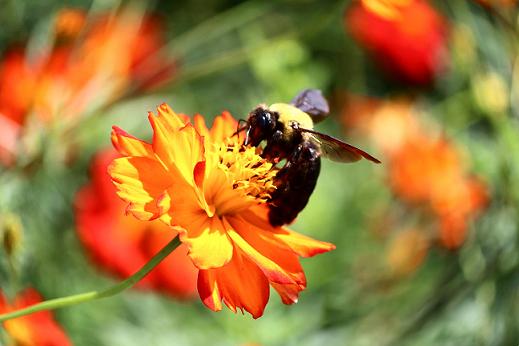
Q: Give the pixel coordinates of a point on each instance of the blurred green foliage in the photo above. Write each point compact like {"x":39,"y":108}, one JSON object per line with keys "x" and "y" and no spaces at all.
{"x":234,"y":55}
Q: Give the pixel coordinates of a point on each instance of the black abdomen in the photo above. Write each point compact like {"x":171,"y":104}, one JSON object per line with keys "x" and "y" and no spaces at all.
{"x":295,"y":183}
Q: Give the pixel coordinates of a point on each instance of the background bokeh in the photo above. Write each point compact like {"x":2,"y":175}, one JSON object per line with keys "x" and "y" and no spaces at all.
{"x":427,"y":242}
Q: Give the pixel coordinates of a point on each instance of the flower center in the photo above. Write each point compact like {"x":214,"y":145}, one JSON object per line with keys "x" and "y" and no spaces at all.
{"x":244,"y":178}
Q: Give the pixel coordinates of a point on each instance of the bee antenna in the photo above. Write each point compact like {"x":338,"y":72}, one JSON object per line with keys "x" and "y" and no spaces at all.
{"x":240,"y":128}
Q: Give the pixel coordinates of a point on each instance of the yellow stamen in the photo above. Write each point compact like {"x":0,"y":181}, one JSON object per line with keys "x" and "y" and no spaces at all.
{"x":250,"y":178}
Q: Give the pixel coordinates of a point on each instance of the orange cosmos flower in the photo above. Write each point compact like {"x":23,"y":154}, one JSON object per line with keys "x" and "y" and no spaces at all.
{"x":407,"y":251}
{"x":90,"y":71}
{"x":429,"y":171}
{"x":69,"y":23}
{"x":38,"y":329}
{"x":406,"y":37}
{"x":80,"y":73}
{"x":17,"y":84}
{"x":122,"y":244}
{"x":213,"y":191}
{"x":424,"y":168}
{"x":387,"y":123}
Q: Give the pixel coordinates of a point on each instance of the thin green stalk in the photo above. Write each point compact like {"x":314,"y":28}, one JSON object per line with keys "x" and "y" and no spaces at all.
{"x":216,"y":26}
{"x":88,"y":296}
{"x":226,"y":60}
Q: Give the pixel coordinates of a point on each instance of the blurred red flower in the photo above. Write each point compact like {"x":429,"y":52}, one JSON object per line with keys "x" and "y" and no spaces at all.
{"x":80,"y":73}
{"x":37,"y":329}
{"x":407,"y":38}
{"x":122,"y":244}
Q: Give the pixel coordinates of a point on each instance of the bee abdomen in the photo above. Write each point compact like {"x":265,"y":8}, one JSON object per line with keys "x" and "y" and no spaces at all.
{"x":295,"y":183}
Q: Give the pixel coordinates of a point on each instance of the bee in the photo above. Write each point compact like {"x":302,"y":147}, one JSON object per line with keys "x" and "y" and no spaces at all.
{"x":288,"y":132}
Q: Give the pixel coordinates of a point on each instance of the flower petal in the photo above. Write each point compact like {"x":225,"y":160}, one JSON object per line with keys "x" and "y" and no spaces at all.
{"x":208,"y":243}
{"x":289,"y":293}
{"x":240,"y":283}
{"x":302,"y":245}
{"x":179,"y":146}
{"x":208,"y":289}
{"x":223,"y":127}
{"x":273,"y":257}
{"x":142,"y":182}
{"x":128,"y":145}
{"x":200,"y":126}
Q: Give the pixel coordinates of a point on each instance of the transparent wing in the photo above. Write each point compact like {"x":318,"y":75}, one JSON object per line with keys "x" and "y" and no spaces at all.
{"x":312,"y":102}
{"x":337,"y":150}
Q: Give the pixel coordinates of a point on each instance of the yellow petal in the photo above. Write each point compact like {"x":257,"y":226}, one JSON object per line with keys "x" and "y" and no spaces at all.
{"x":142,"y":182}
{"x":179,"y":148}
{"x":208,"y":243}
{"x":128,"y":145}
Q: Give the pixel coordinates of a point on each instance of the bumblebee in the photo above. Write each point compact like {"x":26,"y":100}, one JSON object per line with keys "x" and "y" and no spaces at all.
{"x":288,"y":132}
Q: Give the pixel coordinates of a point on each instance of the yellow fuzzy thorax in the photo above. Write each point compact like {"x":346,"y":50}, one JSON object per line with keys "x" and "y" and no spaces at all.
{"x":289,"y":114}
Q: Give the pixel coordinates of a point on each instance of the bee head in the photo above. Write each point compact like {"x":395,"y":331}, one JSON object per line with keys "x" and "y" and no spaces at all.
{"x":261,"y":125}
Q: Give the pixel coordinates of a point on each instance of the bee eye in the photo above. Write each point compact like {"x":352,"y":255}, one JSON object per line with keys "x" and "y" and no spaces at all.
{"x":264,"y":120}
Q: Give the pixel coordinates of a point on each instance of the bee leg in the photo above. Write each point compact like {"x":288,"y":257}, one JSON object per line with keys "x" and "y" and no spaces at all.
{"x":274,"y":150}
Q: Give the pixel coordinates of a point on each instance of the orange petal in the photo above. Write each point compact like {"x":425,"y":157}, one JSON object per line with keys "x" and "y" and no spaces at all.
{"x":199,"y":174}
{"x":269,"y":246}
{"x":142,"y":182}
{"x":276,"y":260}
{"x":179,"y":146}
{"x":240,"y":283}
{"x":302,"y":245}
{"x":289,"y":293}
{"x":183,"y":206}
{"x":208,"y":243}
{"x":174,"y":120}
{"x":128,"y":145}
{"x":200,"y":126}
{"x":223,"y":127}
{"x":208,"y":289}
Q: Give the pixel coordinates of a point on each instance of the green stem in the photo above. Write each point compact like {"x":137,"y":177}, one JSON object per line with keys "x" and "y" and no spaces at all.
{"x":216,"y":26}
{"x":88,"y":296}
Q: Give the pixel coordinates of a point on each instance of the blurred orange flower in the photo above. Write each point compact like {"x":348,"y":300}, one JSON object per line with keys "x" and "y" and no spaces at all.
{"x":211,"y":189}
{"x":407,"y":251}
{"x":122,"y":244}
{"x":17,"y":85}
{"x":80,"y":73}
{"x":388,"y":124}
{"x":430,"y":171}
{"x":38,"y":329}
{"x":69,"y":23}
{"x":407,"y":38}
{"x":424,"y":168}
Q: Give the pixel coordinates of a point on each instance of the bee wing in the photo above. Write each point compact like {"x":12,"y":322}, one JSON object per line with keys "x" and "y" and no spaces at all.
{"x":337,"y":150}
{"x":312,"y":102}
